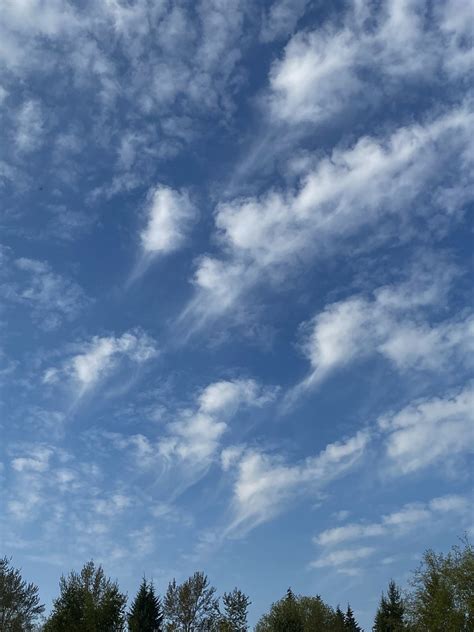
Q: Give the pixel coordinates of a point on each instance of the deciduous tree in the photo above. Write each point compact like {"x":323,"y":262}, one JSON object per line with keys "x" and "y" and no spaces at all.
{"x":442,"y":596}
{"x":191,"y":606}
{"x":20,"y":607}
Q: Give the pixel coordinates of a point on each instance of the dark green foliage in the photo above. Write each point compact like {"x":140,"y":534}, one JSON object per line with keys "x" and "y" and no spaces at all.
{"x":390,"y":615}
{"x":442,"y":598}
{"x":146,"y":613}
{"x":339,"y":624}
{"x":20,"y":606}
{"x":350,"y":623}
{"x":302,"y":614}
{"x":191,"y":606}
{"x":236,"y":606}
{"x":284,"y":616}
{"x":316,"y":614}
{"x":88,"y":602}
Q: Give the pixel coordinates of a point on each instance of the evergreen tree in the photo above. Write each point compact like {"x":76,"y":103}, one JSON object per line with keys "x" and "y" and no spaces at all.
{"x":88,"y":602}
{"x":191,"y":606}
{"x":20,"y":606}
{"x":146,"y":613}
{"x":339,"y":624}
{"x":390,"y":615}
{"x":349,"y":621}
{"x":236,"y":606}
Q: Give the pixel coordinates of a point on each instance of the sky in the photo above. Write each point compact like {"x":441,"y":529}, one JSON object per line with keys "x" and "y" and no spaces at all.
{"x":236,"y":325}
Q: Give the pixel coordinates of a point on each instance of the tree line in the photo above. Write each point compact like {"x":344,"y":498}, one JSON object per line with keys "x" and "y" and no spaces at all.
{"x":439,"y":598}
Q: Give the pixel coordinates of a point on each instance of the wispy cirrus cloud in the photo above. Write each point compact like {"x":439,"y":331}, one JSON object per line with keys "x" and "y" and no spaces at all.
{"x":50,"y":297}
{"x":400,"y":522}
{"x":265,"y":484}
{"x":99,"y":357}
{"x":346,"y":548}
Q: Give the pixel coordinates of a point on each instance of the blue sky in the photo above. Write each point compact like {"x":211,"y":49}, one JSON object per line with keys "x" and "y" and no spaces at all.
{"x":236,"y":310}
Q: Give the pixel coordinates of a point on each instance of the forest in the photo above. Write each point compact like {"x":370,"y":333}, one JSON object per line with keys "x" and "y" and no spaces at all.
{"x":439,"y":597}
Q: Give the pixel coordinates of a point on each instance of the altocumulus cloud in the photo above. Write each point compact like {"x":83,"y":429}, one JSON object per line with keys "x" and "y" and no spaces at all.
{"x":377,"y":182}
{"x":430,"y":431}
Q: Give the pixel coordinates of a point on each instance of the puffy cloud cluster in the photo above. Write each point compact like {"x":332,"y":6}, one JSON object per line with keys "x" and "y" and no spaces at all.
{"x":334,"y":68}
{"x":378,"y":182}
{"x":195,"y":436}
{"x":429,"y":431}
{"x":394,"y":323}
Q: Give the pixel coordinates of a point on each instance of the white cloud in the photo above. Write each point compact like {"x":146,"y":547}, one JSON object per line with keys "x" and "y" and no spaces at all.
{"x":182,"y":64}
{"x":265,"y":484}
{"x":36,"y":461}
{"x":281,"y":18}
{"x":343,"y":557}
{"x":324,"y":72}
{"x":196,"y":435}
{"x":99,"y":357}
{"x":378,"y":182}
{"x":170,"y":215}
{"x":29,"y":127}
{"x":410,"y":517}
{"x":230,"y":456}
{"x":429,"y":431}
{"x":113,"y":505}
{"x":392,"y":323}
{"x":50,"y":297}
{"x":39,"y":475}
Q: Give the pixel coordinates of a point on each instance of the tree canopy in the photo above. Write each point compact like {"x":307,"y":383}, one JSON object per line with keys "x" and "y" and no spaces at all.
{"x":20,"y":607}
{"x":88,"y":602}
{"x":439,"y":598}
{"x":442,"y":595}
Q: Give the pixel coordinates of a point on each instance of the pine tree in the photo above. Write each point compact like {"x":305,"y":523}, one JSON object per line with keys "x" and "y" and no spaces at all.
{"x":236,"y":605}
{"x":349,"y":621}
{"x":390,"y":615}
{"x":146,"y":613}
{"x":20,"y":605}
{"x":339,"y":620}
